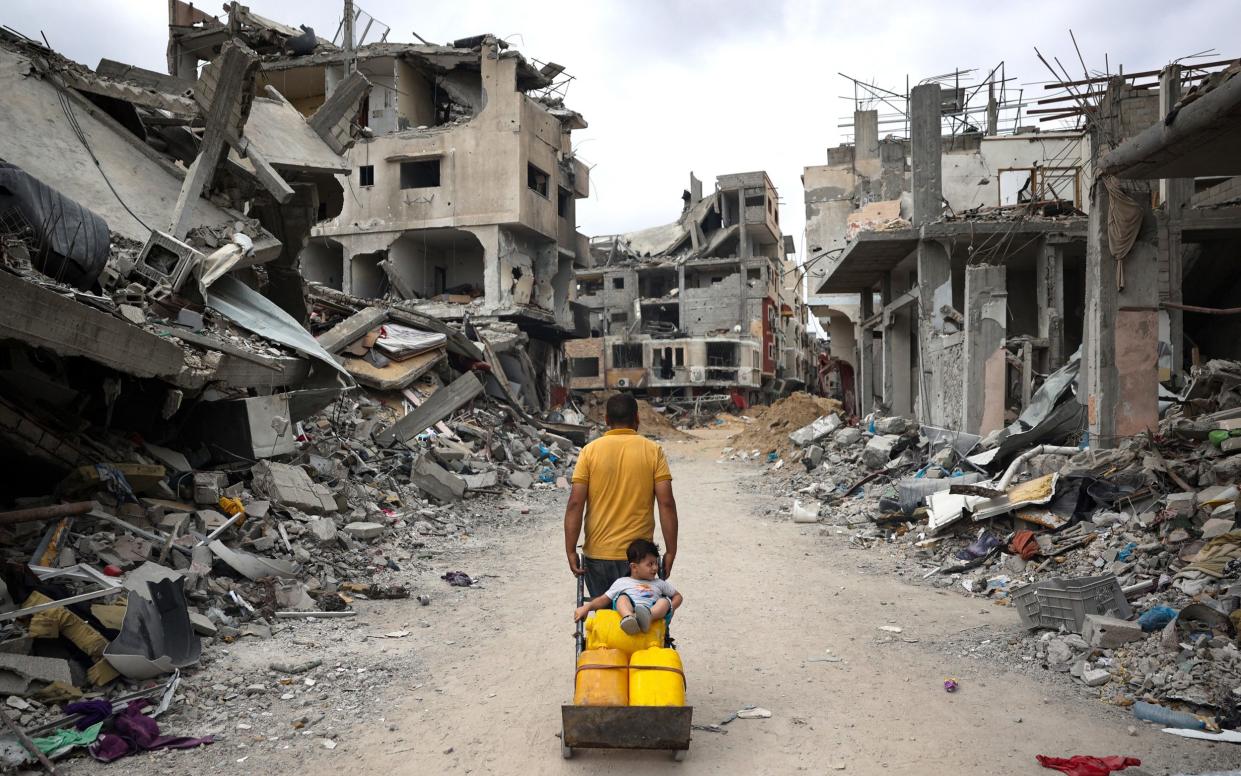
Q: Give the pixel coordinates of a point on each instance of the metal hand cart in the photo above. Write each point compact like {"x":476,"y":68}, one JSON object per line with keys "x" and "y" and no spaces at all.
{"x":622,"y":727}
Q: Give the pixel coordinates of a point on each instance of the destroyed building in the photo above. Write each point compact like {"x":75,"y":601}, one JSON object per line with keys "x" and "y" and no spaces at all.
{"x":183,"y":418}
{"x":964,"y":249}
{"x":461,"y":197}
{"x":705,"y":305}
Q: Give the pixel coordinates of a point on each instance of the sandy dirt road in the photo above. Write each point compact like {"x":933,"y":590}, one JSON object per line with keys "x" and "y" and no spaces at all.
{"x":762,"y":597}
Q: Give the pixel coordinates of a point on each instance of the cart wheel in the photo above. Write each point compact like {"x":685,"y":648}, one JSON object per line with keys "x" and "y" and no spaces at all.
{"x":566,"y":752}
{"x":680,"y":755}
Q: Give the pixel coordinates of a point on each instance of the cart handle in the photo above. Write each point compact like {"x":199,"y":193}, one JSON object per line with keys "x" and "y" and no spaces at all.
{"x":580,"y":636}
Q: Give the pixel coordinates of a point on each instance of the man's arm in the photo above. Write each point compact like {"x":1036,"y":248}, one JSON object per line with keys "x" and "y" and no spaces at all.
{"x":667,"y":522}
{"x":573,"y":524}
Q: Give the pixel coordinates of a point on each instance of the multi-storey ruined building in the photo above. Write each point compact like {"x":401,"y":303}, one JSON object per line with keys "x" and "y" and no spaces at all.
{"x":958,"y":266}
{"x":461,"y":199}
{"x":704,"y":304}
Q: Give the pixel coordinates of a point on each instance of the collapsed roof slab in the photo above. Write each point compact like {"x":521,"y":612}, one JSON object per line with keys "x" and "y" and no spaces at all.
{"x":43,"y":318}
{"x":36,"y":135}
{"x":868,"y":259}
{"x":1202,"y":139}
{"x":874,"y":254}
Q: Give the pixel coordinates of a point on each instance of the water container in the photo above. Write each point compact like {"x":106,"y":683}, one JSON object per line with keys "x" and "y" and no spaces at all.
{"x":656,"y":686}
{"x":601,"y":686}
{"x":603,"y":631}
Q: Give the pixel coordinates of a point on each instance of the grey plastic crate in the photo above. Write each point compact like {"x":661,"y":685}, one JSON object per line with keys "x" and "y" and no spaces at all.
{"x":1066,"y":602}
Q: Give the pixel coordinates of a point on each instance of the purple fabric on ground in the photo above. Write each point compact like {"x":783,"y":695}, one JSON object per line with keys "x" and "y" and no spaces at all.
{"x":91,"y":711}
{"x":132,"y":731}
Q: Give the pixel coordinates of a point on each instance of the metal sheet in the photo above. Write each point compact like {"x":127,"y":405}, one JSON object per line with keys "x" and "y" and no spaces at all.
{"x":254,"y":312}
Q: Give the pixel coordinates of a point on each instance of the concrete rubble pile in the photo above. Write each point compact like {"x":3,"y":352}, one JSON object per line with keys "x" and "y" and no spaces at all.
{"x":196,"y":451}
{"x":1123,"y":564}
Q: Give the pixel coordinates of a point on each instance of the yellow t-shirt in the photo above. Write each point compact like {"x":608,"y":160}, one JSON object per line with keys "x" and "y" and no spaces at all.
{"x":620,"y":470}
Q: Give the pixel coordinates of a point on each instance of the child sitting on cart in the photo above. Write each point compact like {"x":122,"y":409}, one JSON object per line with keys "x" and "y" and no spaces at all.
{"x":642,"y":597}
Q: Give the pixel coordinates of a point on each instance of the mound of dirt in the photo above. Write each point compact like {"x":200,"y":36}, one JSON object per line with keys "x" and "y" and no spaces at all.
{"x":650,"y":422}
{"x":770,"y":426}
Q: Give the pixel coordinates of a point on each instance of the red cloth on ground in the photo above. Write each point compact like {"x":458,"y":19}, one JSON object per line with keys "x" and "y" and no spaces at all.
{"x":1024,"y":544}
{"x":1085,"y":765}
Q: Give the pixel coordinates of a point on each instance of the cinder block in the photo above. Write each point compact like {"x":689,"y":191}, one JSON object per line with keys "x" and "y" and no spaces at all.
{"x":1103,"y":632}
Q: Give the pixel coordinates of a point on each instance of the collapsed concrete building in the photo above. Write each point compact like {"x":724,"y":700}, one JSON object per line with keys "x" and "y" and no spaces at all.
{"x":956,"y":268}
{"x":709,"y":304}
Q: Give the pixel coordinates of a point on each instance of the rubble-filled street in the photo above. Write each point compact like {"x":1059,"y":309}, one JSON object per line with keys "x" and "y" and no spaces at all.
{"x":472,"y":683}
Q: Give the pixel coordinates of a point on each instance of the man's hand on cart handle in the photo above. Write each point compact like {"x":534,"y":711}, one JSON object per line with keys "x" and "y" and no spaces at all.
{"x":575,"y":565}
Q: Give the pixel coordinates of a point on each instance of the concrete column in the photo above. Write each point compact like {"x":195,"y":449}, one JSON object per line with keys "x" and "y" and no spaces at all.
{"x":1049,"y":296}
{"x":926,"y":153}
{"x":1121,"y":330}
{"x":898,"y":347}
{"x":888,"y":361}
{"x":290,"y":223}
{"x":866,"y":163}
{"x":1176,"y":194}
{"x":985,"y":365}
{"x":866,"y":354}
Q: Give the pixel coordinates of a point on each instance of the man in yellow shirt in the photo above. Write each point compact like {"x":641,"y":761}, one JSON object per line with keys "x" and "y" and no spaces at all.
{"x":617,"y":480}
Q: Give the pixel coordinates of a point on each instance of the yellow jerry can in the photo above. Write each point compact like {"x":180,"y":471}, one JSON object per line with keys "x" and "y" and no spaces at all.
{"x":603,"y":631}
{"x":606,"y":685}
{"x":656,"y":678}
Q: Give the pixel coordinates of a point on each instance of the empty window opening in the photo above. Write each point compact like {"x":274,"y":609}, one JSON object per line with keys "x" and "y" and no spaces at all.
{"x":680,"y":356}
{"x":536,"y":180}
{"x":589,"y":287}
{"x":366,"y":175}
{"x":619,"y":318}
{"x":584,"y":367}
{"x":563,"y":199}
{"x":754,"y":198}
{"x":420,"y":175}
{"x":627,"y":356}
{"x":754,"y":274}
{"x":618,"y":283}
{"x":722,"y":354}
{"x":441,"y":280}
{"x":664,"y":364}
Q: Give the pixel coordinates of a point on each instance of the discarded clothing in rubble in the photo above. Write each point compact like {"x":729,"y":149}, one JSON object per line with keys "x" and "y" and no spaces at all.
{"x":981,"y":546}
{"x":1156,"y":618}
{"x":62,"y":740}
{"x":93,"y":712}
{"x":72,"y":241}
{"x":457,"y":579}
{"x":1024,"y":544}
{"x":132,"y":731}
{"x":1085,"y":765}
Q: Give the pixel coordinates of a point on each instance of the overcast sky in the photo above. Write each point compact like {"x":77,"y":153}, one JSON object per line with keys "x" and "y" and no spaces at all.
{"x":718,"y":86}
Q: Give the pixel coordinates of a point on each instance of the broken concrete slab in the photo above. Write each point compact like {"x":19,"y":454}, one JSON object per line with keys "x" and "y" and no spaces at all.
{"x":878,"y":450}
{"x":292,"y":487}
{"x":18,"y":672}
{"x":323,"y":530}
{"x":208,"y":487}
{"x":202,"y":624}
{"x":440,"y":405}
{"x":436,"y":481}
{"x":1217,"y":526}
{"x":1105,"y":632}
{"x":1096,"y":677}
{"x":813,"y":432}
{"x":891,"y":425}
{"x":521,"y":480}
{"x":482,"y":480}
{"x":364,"y":531}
